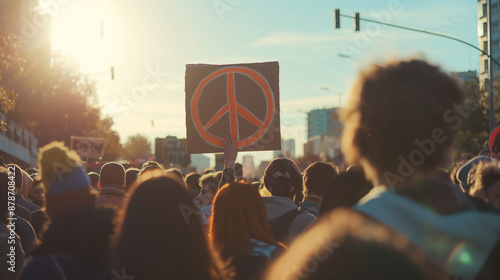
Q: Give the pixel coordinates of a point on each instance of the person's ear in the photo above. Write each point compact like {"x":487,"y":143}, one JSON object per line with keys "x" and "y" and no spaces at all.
{"x":100,"y":186}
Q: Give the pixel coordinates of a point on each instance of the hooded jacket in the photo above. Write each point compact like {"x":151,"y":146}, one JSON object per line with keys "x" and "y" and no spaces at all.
{"x":438,"y":220}
{"x":278,"y":206}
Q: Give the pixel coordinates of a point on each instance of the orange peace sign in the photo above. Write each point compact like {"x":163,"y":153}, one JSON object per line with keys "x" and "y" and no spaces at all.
{"x":233,"y":108}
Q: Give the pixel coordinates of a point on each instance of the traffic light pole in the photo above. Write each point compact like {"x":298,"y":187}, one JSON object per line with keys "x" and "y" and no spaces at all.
{"x":357,"y":20}
{"x":357,"y":28}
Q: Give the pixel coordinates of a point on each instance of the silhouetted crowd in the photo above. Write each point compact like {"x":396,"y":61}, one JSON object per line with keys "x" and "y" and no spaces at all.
{"x":401,"y":210}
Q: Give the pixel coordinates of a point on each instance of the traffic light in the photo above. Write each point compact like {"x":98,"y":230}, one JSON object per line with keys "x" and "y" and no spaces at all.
{"x":337,"y":18}
{"x":356,"y":22}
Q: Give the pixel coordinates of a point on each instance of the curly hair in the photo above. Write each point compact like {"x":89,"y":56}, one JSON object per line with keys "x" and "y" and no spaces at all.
{"x":486,"y":175}
{"x":211,"y":179}
{"x":392,"y":108}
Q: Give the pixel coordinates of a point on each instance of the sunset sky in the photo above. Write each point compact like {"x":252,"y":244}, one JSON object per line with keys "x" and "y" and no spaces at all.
{"x":153,"y":38}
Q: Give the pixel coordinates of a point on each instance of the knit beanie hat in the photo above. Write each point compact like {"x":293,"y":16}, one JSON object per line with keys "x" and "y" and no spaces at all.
{"x":64,"y":178}
{"x":282,"y":177}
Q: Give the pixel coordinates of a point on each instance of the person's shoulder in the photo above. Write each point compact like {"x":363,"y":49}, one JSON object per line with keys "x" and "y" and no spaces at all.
{"x":28,"y":205}
{"x":23,"y":212}
{"x":305,"y":216}
{"x":41,"y":267}
{"x":300,"y":223}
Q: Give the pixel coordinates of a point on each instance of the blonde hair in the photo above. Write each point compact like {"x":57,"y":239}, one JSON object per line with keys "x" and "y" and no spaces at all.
{"x":55,"y":159}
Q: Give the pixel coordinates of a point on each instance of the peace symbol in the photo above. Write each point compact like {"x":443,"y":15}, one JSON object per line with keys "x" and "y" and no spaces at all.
{"x":234,"y":108}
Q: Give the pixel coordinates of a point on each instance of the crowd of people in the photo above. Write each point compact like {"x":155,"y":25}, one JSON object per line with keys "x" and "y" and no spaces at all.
{"x":401,"y":210}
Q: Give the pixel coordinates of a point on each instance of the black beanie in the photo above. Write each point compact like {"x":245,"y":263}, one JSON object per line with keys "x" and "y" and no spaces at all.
{"x":282,"y":177}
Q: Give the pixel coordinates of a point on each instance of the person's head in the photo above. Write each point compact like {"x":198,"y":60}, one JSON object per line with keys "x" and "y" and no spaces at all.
{"x":130,"y":177}
{"x":345,"y":190}
{"x":17,"y":173}
{"x":82,"y":233}
{"x":207,"y":170}
{"x":175,"y":172}
{"x":238,"y":170}
{"x":27,"y":185}
{"x":170,"y":239}
{"x":152,"y":167}
{"x":32,"y":172}
{"x":487,"y":182}
{"x":397,"y":123}
{"x":454,"y":172}
{"x":94,"y":180}
{"x":37,"y":194}
{"x":209,"y":184}
{"x":282,"y":178}
{"x":192,"y":182}
{"x":317,"y":176}
{"x":466,"y":173}
{"x":112,"y":173}
{"x":64,"y":178}
{"x":238,"y":215}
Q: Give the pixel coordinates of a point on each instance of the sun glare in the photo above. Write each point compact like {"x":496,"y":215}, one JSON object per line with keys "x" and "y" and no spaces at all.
{"x":90,"y":32}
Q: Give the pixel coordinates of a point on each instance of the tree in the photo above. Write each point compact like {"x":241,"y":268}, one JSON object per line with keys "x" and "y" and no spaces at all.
{"x":475,"y":127}
{"x":58,"y":101}
{"x":114,"y":149}
{"x":137,"y":146}
{"x":11,"y":64}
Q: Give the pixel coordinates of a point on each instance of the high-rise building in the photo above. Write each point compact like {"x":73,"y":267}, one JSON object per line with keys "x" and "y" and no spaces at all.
{"x":326,"y":122}
{"x":319,"y":121}
{"x":287,"y":149}
{"x":484,"y":40}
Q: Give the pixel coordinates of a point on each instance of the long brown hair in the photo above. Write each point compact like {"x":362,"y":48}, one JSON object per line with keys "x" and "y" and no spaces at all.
{"x":160,"y":235}
{"x":238,"y":215}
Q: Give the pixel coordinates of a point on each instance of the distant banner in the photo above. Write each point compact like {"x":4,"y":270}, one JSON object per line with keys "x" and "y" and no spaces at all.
{"x":88,"y":147}
{"x":240,"y":100}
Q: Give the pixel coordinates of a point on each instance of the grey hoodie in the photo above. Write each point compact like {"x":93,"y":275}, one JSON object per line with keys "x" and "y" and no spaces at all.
{"x":278,"y":206}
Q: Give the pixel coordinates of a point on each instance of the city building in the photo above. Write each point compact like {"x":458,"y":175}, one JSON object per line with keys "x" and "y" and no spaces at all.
{"x":287,"y":149}
{"x":171,"y":152}
{"x":319,"y":121}
{"x":466,"y":76}
{"x":249,"y":171}
{"x":486,"y":21}
{"x":326,"y":144}
{"x":261,"y":169}
{"x":18,"y":145}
